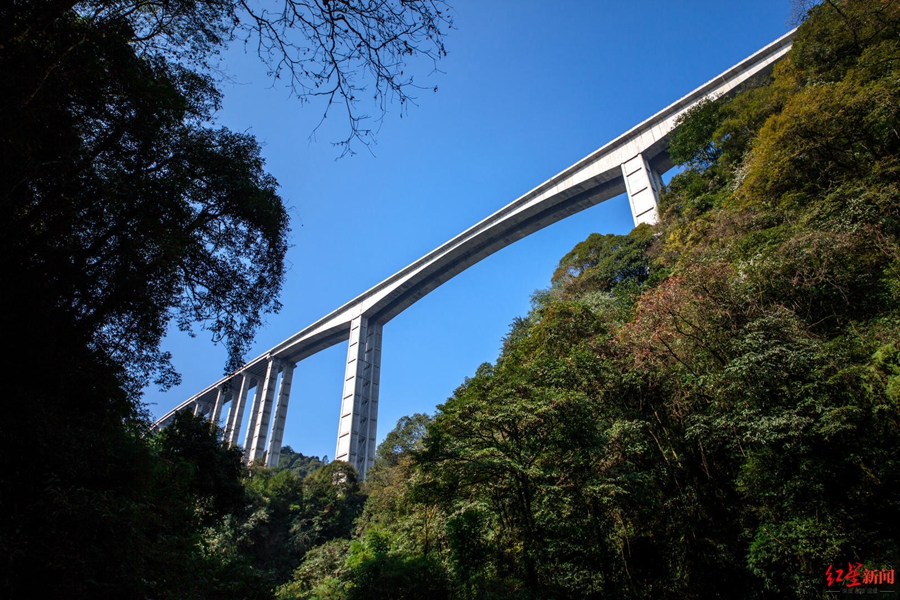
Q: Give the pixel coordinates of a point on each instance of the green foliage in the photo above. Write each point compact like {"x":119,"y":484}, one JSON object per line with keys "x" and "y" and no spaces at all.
{"x":694,"y":141}
{"x":271,"y":536}
{"x":126,"y":208}
{"x":287,"y":517}
{"x":366,"y":568}
{"x":404,"y":439}
{"x":320,"y":574}
{"x":614,"y":264}
{"x":519,"y":439}
{"x":149,"y":212}
{"x":378,"y":573}
{"x":299,"y":464}
{"x":211,"y":470}
{"x":841,"y":117}
{"x":332,"y":501}
{"x":708,"y":408}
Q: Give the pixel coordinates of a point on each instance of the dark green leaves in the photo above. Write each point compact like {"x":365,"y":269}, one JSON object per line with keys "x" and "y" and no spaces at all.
{"x":694,"y":142}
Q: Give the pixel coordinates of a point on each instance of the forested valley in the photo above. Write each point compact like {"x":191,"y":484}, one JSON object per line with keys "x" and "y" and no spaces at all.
{"x":705,"y":408}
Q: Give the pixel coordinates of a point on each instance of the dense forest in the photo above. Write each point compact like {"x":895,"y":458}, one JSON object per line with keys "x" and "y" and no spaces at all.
{"x":705,"y":408}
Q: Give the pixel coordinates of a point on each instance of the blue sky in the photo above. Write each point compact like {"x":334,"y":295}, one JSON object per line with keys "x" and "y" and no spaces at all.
{"x":528,"y":89}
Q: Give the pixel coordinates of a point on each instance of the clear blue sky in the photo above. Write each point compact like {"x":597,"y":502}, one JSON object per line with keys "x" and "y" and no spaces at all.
{"x":528,"y":89}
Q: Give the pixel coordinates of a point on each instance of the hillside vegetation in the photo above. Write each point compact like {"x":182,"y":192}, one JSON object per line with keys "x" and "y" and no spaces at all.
{"x":705,"y":408}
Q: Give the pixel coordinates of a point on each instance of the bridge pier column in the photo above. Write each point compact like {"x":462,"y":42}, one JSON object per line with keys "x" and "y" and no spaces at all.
{"x":236,"y":412}
{"x":359,"y":406}
{"x":216,"y":412}
{"x":260,"y":418}
{"x":643,"y":185}
{"x":251,"y":422}
{"x":273,"y":453}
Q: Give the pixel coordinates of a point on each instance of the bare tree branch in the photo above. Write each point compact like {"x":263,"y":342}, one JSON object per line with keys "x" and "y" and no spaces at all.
{"x":344,"y":50}
{"x":355,"y":53}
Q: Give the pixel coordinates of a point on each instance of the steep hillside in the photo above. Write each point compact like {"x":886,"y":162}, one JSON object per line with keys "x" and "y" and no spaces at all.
{"x":706,"y":408}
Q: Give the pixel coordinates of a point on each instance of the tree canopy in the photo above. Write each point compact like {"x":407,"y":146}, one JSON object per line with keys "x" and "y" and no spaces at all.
{"x":706,"y":408}
{"x":128,"y":207}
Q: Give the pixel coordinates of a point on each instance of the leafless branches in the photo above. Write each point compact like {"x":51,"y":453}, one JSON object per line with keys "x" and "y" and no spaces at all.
{"x":355,"y":54}
{"x":349,"y":52}
{"x":799,"y":10}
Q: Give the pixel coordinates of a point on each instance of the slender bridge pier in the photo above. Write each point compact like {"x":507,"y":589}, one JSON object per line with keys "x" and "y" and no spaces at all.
{"x":632,"y":163}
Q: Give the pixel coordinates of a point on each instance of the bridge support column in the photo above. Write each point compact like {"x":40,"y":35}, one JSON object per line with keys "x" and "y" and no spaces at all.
{"x":251,"y":422}
{"x":260,"y":419}
{"x":273,"y":453}
{"x":236,"y":412}
{"x":643,"y":185}
{"x":216,"y":412}
{"x":359,"y":406}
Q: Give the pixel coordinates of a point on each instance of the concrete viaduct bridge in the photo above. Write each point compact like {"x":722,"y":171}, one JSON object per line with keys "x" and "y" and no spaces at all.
{"x":632,"y":163}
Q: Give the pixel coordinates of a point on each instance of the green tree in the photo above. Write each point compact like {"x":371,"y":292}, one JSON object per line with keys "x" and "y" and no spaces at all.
{"x":694,"y":142}
{"x":211,"y":470}
{"x":271,"y":536}
{"x":321,"y":575}
{"x":393,"y":508}
{"x":706,"y":408}
{"x":613,"y":264}
{"x":404,"y":439}
{"x":288,"y":516}
{"x":332,"y":502}
{"x":128,"y":207}
{"x":299,"y":464}
{"x":366,"y":568}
